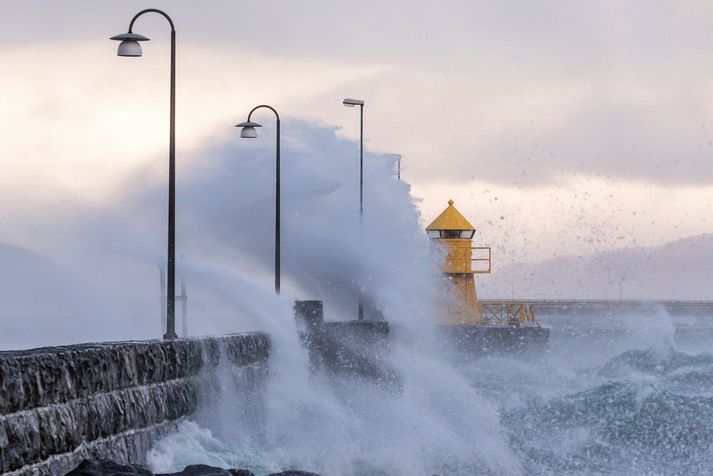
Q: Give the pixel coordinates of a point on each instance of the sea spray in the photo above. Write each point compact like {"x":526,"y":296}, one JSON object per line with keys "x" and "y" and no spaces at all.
{"x":434,"y":421}
{"x":589,"y":405}
{"x":606,"y":402}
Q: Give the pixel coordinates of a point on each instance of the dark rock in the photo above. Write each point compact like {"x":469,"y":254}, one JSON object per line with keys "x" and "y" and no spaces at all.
{"x":293,"y":472}
{"x":103,"y":467}
{"x":199,"y":470}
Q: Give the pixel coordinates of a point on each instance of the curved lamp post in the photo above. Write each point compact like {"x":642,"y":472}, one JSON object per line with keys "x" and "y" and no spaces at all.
{"x":131,"y":47}
{"x":351,"y":103}
{"x":248,"y":131}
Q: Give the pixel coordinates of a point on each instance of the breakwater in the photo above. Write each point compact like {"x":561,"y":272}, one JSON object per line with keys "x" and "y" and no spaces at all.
{"x":568,"y":307}
{"x":61,"y":405}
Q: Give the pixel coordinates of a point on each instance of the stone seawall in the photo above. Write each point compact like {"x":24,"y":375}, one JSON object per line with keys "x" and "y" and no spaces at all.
{"x":60,"y":405}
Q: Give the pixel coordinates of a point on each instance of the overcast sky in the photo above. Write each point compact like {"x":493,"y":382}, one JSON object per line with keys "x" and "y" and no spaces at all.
{"x":558,"y":127}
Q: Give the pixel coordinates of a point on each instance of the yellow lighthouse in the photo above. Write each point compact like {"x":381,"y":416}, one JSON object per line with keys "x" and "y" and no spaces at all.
{"x":454,"y":233}
{"x":460,"y":305}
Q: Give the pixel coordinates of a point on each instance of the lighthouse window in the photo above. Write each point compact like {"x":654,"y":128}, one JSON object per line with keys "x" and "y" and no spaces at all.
{"x":447,"y":234}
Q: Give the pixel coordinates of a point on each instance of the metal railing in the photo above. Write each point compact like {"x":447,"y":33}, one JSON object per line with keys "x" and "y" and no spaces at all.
{"x":468,"y":265}
{"x":511,"y":313}
{"x":494,"y":313}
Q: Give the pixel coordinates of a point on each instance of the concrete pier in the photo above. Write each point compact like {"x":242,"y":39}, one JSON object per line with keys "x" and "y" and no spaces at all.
{"x":60,"y":405}
{"x":354,"y":348}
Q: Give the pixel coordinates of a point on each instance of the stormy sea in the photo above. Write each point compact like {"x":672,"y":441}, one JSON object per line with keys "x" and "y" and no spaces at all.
{"x":614,"y":393}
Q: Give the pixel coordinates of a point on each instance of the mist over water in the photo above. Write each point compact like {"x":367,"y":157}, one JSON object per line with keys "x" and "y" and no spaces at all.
{"x":613,"y":394}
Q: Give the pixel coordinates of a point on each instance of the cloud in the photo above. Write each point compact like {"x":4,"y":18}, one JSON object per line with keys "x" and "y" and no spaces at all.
{"x":589,"y":122}
{"x":614,"y":132}
{"x":509,"y":92}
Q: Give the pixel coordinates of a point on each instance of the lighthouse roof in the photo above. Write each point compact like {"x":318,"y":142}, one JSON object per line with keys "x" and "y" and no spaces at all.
{"x":450,"y":219}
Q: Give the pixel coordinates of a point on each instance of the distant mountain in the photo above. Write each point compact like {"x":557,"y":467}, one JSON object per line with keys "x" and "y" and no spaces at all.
{"x":681,"y":269}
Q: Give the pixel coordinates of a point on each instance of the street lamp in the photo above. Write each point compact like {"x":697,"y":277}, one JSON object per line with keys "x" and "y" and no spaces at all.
{"x":131,"y":47}
{"x":249,"y":131}
{"x":351,"y":103}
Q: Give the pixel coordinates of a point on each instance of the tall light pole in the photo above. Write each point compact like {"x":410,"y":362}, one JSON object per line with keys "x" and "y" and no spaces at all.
{"x":248,"y":132}
{"x":351,"y":103}
{"x":130,"y":46}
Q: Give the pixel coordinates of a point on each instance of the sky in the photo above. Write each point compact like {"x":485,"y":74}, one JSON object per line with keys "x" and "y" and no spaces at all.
{"x":558,"y":127}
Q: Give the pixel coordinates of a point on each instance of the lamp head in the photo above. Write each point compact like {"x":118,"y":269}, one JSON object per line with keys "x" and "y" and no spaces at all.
{"x":352,"y":102}
{"x":248,"y":129}
{"x":129,"y":45}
